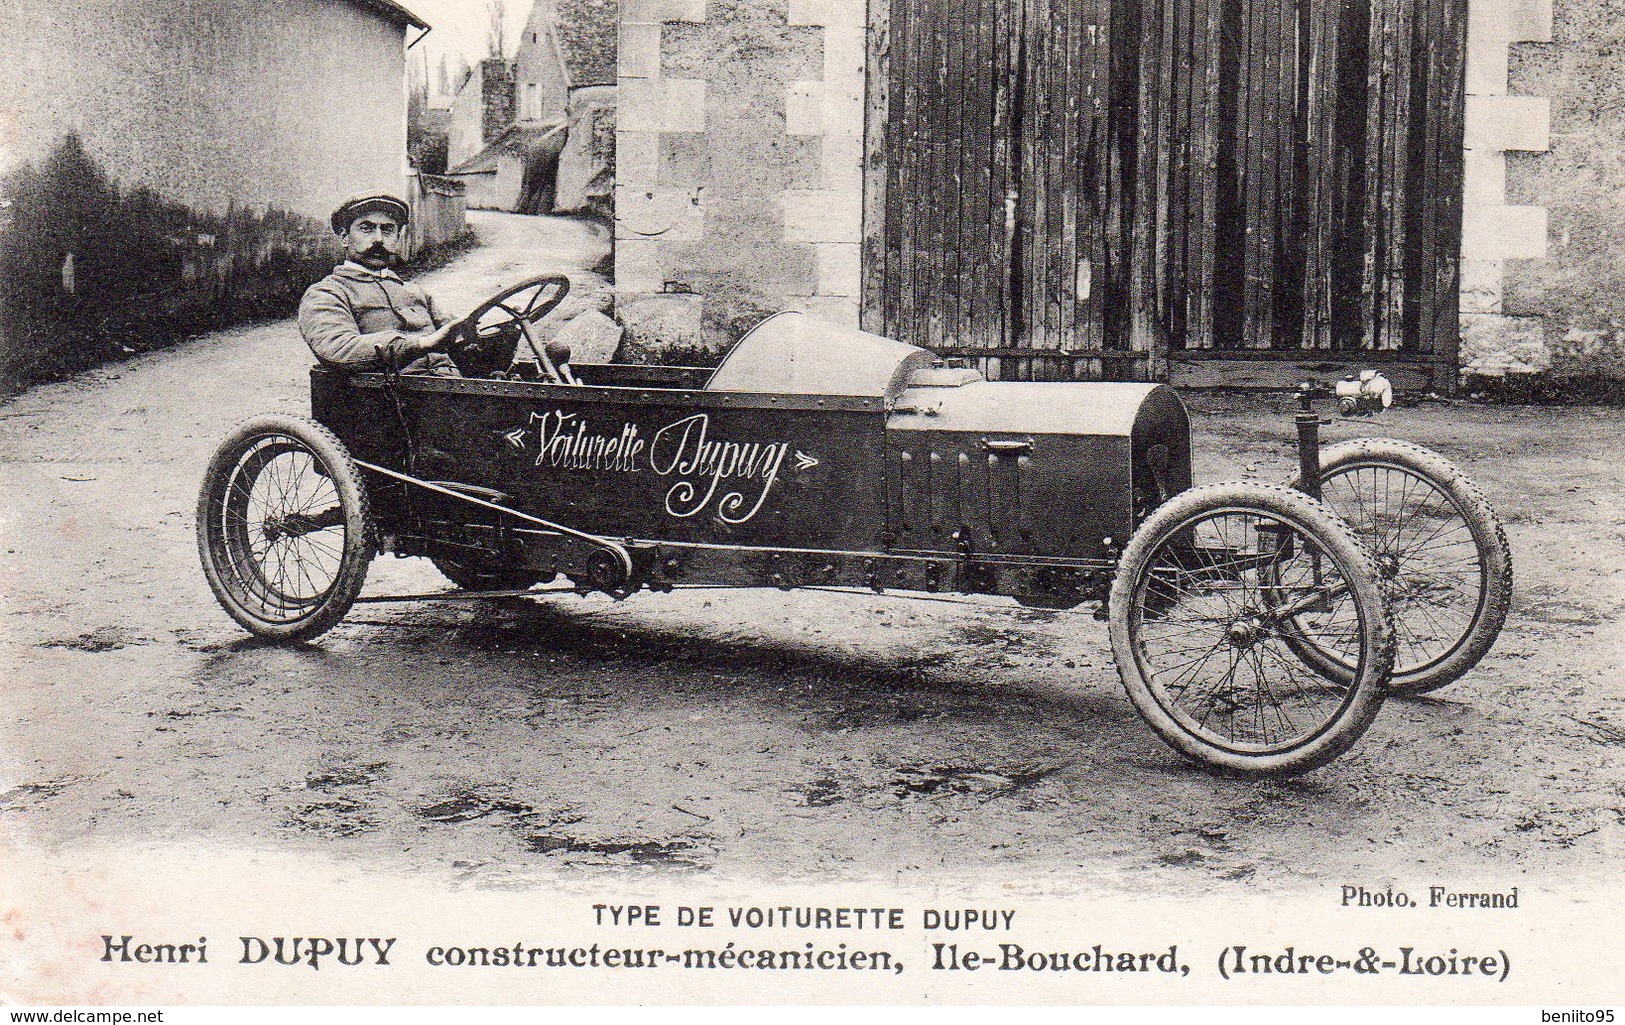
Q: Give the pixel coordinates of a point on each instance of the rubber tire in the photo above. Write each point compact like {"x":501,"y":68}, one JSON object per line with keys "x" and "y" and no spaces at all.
{"x":1356,"y":566}
{"x":224,"y":576}
{"x":476,"y":578}
{"x":1495,"y":556}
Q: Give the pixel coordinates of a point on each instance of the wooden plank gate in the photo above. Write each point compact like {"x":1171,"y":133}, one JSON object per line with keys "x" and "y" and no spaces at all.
{"x":1217,"y":191}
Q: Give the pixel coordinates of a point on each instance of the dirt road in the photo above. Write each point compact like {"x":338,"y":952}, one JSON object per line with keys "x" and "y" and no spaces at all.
{"x":816,"y":736}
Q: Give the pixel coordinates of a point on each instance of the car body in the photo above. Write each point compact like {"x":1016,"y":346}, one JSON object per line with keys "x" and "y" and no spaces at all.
{"x":812,"y":454}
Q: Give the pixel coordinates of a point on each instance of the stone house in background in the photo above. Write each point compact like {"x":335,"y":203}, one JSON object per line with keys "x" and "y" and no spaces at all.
{"x":482,"y":107}
{"x":505,"y":162}
{"x":541,"y":79}
{"x":512,"y":119}
{"x":1437,"y":194}
{"x":530,"y":89}
{"x":187,"y":155}
{"x":507,"y":122}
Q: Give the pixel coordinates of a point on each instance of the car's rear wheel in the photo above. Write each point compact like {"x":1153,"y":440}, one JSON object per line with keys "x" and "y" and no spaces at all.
{"x":1199,"y":610}
{"x":283,"y":527}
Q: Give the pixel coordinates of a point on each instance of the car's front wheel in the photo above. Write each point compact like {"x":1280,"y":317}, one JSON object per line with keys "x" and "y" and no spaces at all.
{"x":1210,"y":598}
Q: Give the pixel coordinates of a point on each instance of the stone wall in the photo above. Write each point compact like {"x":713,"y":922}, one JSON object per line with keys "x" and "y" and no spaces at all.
{"x":586,"y":181}
{"x":1568,"y":310}
{"x":439,"y":211}
{"x":168,"y":168}
{"x":739,"y":166}
{"x":220,"y":105}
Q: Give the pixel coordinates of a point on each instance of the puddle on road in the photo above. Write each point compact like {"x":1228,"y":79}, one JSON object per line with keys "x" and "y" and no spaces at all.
{"x":820,"y":793}
{"x":340,"y":817}
{"x":1553,"y":607}
{"x":862,"y":714}
{"x":981,"y":635}
{"x":548,"y":832}
{"x":1562,"y":613}
{"x":204,"y":643}
{"x":25,"y":795}
{"x":179,"y":714}
{"x":939,"y":780}
{"x":347,"y":776}
{"x":468,"y":806}
{"x":1214,"y":836}
{"x":103,"y":638}
{"x":668,"y":853}
{"x":342,"y":809}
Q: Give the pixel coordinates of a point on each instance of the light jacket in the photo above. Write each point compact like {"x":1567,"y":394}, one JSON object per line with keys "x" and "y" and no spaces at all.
{"x":349,"y":315}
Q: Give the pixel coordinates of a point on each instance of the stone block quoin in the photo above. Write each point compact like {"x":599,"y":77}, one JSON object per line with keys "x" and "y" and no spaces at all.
{"x":1494,"y":231}
{"x":781,"y":233}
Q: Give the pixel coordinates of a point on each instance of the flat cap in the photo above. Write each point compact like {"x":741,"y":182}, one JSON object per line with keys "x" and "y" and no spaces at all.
{"x":355,"y":206}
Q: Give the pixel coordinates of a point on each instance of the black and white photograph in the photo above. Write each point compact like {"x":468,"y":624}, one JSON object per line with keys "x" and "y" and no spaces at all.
{"x":637,"y":502}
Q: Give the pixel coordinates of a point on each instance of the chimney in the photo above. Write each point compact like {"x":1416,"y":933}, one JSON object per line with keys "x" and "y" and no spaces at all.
{"x":498,"y":96}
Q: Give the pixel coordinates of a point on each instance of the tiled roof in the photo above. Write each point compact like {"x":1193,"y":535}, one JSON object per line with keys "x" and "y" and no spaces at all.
{"x":586,"y":31}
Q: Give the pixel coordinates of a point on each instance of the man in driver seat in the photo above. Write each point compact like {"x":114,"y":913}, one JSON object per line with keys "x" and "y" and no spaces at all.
{"x":363,"y":315}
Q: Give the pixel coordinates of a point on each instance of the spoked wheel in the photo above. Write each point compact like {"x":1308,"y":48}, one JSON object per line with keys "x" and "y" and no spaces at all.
{"x":1442,"y":558}
{"x":283,"y":530}
{"x":1200,"y":614}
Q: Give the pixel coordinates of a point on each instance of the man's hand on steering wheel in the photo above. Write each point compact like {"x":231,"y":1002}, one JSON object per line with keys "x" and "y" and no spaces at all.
{"x":431,"y":341}
{"x":440,"y":337}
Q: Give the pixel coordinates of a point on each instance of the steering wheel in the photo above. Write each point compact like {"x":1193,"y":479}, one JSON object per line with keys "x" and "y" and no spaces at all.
{"x":508,"y":316}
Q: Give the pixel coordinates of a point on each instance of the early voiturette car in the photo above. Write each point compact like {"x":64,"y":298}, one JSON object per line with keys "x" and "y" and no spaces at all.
{"x":1256,"y":628}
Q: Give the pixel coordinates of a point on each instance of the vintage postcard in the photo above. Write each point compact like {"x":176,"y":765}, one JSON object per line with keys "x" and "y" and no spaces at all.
{"x":1078,"y":502}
